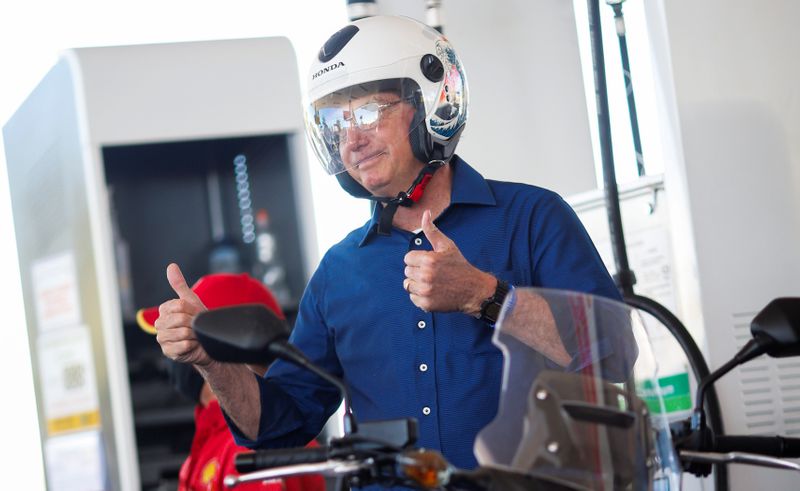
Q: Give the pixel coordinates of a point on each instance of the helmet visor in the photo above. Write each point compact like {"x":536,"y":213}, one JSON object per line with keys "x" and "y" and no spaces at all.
{"x":345,"y":119}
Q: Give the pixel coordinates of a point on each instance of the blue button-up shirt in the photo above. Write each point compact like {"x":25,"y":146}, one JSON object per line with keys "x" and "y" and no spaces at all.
{"x":357,"y":322}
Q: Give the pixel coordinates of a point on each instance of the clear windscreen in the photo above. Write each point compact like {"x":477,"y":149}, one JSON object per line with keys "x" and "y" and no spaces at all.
{"x":588,"y":417}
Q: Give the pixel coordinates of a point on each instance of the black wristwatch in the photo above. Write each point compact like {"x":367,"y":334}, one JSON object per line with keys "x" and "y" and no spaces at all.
{"x":490,"y":308}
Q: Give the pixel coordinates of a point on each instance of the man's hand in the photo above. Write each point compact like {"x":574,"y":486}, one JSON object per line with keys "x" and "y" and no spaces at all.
{"x":442,"y":280}
{"x":174,"y":324}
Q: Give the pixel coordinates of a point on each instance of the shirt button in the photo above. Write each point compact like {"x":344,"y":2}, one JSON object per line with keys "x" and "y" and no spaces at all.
{"x":423,"y":367}
{"x":418,"y":241}
{"x":421,"y":324}
{"x":426,"y":410}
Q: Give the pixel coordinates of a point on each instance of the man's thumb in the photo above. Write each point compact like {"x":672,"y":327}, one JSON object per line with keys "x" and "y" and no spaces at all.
{"x":436,"y":237}
{"x":178,"y":283}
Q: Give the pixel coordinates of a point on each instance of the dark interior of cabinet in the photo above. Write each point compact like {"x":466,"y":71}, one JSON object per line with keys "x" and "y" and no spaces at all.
{"x":181,"y":202}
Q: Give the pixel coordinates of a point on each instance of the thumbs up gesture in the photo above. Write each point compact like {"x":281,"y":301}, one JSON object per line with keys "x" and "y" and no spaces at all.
{"x":441,"y":280}
{"x":174,"y":324}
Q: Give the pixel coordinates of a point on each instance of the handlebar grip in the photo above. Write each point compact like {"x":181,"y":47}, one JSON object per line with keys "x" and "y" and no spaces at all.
{"x":775,"y":446}
{"x":267,"y":459}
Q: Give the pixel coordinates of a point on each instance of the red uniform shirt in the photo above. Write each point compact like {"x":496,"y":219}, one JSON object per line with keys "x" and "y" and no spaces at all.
{"x":212,"y":458}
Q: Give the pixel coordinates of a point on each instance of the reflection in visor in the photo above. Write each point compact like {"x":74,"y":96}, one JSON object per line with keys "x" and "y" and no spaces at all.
{"x":336,"y":121}
{"x":332,"y":119}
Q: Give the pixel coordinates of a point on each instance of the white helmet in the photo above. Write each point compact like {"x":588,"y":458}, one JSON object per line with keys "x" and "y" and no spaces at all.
{"x":377,"y":55}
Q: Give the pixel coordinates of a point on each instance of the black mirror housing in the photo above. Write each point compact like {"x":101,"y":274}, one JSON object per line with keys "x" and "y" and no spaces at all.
{"x":240,"y":334}
{"x":777,"y":327}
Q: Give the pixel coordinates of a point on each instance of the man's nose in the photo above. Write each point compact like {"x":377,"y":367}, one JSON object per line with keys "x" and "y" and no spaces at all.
{"x":356,"y":137}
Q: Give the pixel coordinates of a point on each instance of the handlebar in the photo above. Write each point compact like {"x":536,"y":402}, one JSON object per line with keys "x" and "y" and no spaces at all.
{"x":428,"y":470}
{"x":268,"y":459}
{"x":737,"y":458}
{"x":774,"y":446}
{"x":329,"y":468}
{"x":361,"y":461}
{"x":699,"y":449}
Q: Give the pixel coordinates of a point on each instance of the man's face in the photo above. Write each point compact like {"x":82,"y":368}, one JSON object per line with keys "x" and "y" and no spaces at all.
{"x":380,"y":157}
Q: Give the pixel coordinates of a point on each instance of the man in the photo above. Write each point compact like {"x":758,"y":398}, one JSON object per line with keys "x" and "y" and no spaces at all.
{"x":213,"y":452}
{"x":402,"y":309}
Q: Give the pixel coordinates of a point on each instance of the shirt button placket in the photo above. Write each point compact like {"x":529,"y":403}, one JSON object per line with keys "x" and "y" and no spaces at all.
{"x":425,"y":352}
{"x":427,"y":382}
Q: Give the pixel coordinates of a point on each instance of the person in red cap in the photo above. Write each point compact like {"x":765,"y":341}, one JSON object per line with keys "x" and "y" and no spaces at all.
{"x":213,"y":449}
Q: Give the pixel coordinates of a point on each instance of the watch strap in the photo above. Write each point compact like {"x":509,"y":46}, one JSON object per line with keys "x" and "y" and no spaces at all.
{"x":490,"y":307}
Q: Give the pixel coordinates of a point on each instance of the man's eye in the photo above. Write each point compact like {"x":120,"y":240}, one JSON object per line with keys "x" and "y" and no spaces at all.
{"x":367,"y":115}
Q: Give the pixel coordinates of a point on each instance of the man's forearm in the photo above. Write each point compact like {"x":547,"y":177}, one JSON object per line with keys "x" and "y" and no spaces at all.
{"x":237,"y":390}
{"x":534,"y":325}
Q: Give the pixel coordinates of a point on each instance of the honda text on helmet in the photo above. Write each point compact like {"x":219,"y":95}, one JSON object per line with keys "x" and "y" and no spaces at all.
{"x":362,"y":73}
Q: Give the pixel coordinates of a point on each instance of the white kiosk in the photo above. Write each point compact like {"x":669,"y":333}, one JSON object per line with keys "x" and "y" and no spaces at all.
{"x":124,"y":159}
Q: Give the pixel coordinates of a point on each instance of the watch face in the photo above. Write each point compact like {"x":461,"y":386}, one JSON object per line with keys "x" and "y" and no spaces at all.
{"x":493,"y":311}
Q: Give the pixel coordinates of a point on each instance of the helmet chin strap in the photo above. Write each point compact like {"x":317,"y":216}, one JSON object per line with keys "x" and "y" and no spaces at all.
{"x":407,"y":198}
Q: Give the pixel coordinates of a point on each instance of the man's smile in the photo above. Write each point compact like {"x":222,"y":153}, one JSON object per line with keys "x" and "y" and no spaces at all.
{"x":369,"y":159}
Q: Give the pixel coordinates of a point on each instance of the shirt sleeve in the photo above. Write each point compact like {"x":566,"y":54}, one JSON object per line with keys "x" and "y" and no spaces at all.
{"x":295,"y":403}
{"x":564,"y":257}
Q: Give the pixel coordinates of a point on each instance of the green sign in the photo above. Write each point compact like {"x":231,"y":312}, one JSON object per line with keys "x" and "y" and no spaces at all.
{"x":674,"y":391}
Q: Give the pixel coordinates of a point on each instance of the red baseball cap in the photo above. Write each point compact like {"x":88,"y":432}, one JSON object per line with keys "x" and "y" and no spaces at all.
{"x":220,"y":290}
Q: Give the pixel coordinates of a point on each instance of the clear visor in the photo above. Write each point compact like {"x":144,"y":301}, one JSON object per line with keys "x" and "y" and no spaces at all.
{"x":343,"y":125}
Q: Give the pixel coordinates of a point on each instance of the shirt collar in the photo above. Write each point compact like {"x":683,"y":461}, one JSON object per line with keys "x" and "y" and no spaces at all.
{"x":469,"y":187}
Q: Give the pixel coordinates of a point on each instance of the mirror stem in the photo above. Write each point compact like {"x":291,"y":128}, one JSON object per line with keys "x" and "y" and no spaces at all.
{"x":288,"y":352}
{"x":755,"y":347}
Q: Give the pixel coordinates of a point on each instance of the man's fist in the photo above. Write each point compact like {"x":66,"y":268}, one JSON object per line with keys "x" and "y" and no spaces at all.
{"x":174,"y":324}
{"x":441,"y":280}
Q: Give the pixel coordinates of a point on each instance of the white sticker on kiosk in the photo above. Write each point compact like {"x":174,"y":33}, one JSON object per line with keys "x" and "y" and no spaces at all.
{"x":55,"y":292}
{"x":74,"y":462}
{"x":67,"y":377}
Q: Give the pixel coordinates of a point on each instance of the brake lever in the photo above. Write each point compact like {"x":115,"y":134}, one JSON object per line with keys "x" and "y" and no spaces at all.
{"x":738,"y":458}
{"x":330,"y":468}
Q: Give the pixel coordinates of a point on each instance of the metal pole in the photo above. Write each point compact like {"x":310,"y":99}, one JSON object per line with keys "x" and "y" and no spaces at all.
{"x":624,"y":277}
{"x":433,"y":14}
{"x":358,"y":9}
{"x":619,"y":22}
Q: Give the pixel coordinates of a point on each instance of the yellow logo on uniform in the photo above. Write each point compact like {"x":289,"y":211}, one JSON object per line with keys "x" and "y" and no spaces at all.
{"x":208,"y":473}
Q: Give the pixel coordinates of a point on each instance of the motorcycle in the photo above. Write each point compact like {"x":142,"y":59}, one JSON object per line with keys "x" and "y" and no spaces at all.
{"x":598,"y":423}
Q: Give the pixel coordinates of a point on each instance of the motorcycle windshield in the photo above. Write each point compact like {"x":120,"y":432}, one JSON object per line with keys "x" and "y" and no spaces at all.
{"x":580,"y":405}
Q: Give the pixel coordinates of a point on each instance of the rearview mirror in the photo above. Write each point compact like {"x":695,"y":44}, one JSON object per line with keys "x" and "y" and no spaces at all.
{"x":777,"y":327}
{"x":240,"y":334}
{"x":254,"y":334}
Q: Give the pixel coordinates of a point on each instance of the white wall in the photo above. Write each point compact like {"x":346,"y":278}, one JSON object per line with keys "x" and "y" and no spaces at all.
{"x":730,"y":72}
{"x":528,"y":120}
